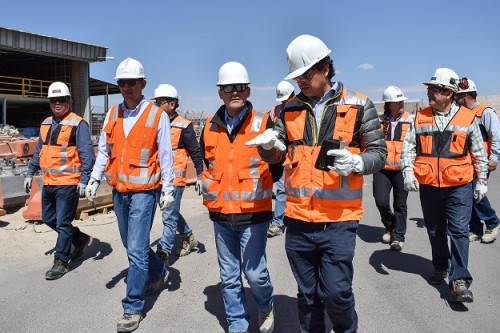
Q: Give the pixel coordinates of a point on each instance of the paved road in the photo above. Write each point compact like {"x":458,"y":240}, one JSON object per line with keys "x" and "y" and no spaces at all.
{"x":392,"y":294}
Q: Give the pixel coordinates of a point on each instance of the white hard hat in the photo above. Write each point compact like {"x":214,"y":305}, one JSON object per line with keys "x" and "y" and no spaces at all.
{"x":58,"y":89}
{"x":283,"y":91}
{"x":130,"y":69}
{"x":393,"y":94}
{"x":166,"y":90}
{"x":302,"y":53}
{"x":232,"y":73}
{"x":445,"y":78}
{"x":471,"y":86}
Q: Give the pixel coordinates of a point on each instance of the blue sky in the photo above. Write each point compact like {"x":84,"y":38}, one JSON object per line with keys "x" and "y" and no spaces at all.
{"x":374,"y":43}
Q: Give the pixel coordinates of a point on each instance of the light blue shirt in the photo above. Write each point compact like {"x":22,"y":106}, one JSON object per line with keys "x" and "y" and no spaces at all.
{"x":232,"y":122}
{"x":318,"y":105}
{"x":130,"y":118}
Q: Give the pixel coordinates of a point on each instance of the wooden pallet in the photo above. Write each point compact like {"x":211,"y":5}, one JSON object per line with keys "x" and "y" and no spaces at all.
{"x":99,"y":209}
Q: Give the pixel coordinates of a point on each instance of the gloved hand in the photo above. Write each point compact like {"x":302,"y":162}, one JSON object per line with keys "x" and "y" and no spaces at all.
{"x":91,"y":189}
{"x":27,"y":183}
{"x":345,"y":162}
{"x":197,"y":186}
{"x":267,"y":140}
{"x":410,"y":182}
{"x":81,"y":190}
{"x":480,"y":190}
{"x":166,"y":200}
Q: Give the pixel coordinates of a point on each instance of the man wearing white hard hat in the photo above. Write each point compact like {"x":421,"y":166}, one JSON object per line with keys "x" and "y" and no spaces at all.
{"x":135,"y":155}
{"x":65,"y":156}
{"x":284,"y":93}
{"x":327,"y":138}
{"x":237,"y":191}
{"x":185,"y":146}
{"x":490,"y":131}
{"x":442,"y":150}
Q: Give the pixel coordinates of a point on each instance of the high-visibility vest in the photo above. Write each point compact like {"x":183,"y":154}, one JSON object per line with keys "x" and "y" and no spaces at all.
{"x":478,"y":110}
{"x":133,"y":164}
{"x":443,"y":158}
{"x":395,"y":144}
{"x":59,"y":159}
{"x":181,"y":155}
{"x":314,"y":195}
{"x":237,"y":180}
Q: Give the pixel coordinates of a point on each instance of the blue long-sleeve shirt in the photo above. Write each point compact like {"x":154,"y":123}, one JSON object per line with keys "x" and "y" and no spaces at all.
{"x":83,"y":146}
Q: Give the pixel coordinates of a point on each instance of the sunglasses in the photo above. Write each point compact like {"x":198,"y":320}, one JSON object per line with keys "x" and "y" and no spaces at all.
{"x":434,"y":90}
{"x":463,"y":83}
{"x":129,"y":82}
{"x":232,"y":87}
{"x":306,"y":76}
{"x":60,"y":100}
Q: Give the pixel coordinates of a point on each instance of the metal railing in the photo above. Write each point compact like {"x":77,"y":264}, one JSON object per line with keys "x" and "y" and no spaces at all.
{"x":25,"y":87}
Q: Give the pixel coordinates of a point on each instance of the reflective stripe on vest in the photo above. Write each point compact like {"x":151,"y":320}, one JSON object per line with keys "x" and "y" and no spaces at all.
{"x":59,"y":159}
{"x":395,"y":145}
{"x":237,"y":180}
{"x":181,"y":155}
{"x":479,"y":110}
{"x":443,"y":158}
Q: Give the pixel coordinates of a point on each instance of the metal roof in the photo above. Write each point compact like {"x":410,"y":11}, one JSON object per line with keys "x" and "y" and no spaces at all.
{"x":50,"y":46}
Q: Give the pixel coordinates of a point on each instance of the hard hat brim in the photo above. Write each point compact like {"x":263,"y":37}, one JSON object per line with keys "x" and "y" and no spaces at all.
{"x":284,"y":98}
{"x":302,"y":70}
{"x":397,"y":99}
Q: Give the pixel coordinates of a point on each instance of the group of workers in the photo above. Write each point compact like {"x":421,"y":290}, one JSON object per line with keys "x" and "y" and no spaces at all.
{"x":314,"y":146}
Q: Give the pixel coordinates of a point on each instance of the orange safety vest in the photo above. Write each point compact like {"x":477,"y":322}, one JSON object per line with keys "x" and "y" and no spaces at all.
{"x":314,"y":195}
{"x":478,"y":110}
{"x":395,"y":144}
{"x":59,"y":159}
{"x":133,"y":164}
{"x":181,"y":155}
{"x":442,"y":158}
{"x":237,"y":180}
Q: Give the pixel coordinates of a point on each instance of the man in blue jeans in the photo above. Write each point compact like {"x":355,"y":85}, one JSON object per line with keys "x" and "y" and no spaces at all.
{"x":490,"y":131}
{"x":237,"y":190}
{"x":284,"y":93}
{"x":184,"y":145}
{"x":136,"y":155}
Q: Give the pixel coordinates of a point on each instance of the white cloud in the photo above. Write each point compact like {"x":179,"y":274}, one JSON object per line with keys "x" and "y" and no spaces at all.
{"x":366,"y":66}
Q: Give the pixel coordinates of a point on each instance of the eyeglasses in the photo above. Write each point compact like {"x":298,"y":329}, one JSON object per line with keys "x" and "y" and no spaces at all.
{"x":463,"y":83}
{"x":129,"y":82}
{"x":60,"y":100}
{"x":434,"y":90}
{"x":306,"y":76}
{"x":232,"y":87}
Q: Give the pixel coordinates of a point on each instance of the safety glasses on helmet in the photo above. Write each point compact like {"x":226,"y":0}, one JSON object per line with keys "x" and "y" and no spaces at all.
{"x":229,"y":88}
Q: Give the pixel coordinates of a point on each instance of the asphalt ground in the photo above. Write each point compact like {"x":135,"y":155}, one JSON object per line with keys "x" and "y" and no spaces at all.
{"x":391,"y":289}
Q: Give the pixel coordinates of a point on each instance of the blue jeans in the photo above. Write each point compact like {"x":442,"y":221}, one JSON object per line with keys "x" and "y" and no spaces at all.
{"x":279,"y":202}
{"x":135,"y":212}
{"x":173,"y":221}
{"x":482,"y":211}
{"x":320,"y":256}
{"x":446,"y":213}
{"x":243,"y":248}
{"x":59,"y":204}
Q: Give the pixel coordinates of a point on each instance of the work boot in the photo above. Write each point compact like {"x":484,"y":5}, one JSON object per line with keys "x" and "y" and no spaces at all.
{"x":153,"y":287}
{"x":58,"y":270}
{"x":189,"y":243}
{"x":474,"y":237}
{"x":164,"y":255}
{"x":397,"y":245}
{"x":129,"y":322}
{"x":438,"y":276}
{"x":274,"y":230}
{"x":80,"y":241}
{"x":490,"y":235}
{"x":266,"y":321}
{"x":460,"y":292}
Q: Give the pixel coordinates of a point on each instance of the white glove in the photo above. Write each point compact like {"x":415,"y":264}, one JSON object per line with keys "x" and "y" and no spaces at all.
{"x":267,"y":140}
{"x":166,"y":200}
{"x":345,"y":162}
{"x":81,"y":190}
{"x":91,"y":189}
{"x":197,"y":186}
{"x":410,"y":182}
{"x":27,"y":183}
{"x":480,"y":190}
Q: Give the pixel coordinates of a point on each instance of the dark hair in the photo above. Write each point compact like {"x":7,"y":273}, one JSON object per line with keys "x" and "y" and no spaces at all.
{"x":472,"y":94}
{"x":385,"y":122}
{"x":176,"y":100}
{"x":322,"y":63}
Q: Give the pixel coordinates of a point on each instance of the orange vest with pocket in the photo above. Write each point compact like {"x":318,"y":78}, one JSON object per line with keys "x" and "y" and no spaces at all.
{"x":443,"y":158}
{"x":479,"y":109}
{"x":59,"y":160}
{"x":181,"y":155}
{"x":237,"y":180}
{"x":133,"y":164}
{"x":395,"y":144}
